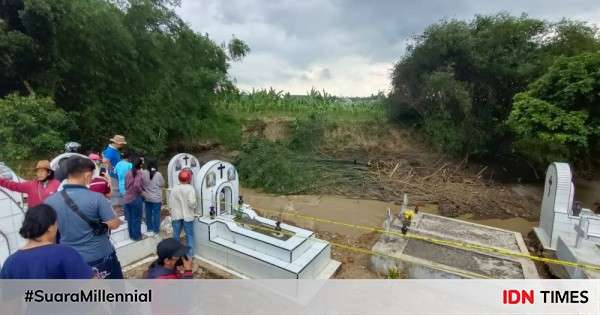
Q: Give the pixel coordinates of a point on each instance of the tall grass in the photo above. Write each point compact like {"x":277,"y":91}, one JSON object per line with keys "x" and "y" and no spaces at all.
{"x":269,"y":103}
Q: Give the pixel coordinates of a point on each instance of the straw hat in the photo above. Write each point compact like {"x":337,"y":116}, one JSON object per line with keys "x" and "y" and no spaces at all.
{"x":118,"y":139}
{"x":43,"y":164}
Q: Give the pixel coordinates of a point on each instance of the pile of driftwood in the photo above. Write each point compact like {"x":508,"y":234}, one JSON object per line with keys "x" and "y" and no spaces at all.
{"x":456,"y":189}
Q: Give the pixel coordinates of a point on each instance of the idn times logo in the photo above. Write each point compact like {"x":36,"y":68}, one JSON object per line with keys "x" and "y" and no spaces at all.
{"x":512,"y":296}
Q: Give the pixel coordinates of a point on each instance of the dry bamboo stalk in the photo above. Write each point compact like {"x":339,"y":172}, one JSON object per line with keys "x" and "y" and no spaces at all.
{"x":394,"y":170}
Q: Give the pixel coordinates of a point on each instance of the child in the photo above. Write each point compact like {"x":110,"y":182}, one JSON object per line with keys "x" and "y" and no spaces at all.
{"x":182,"y":201}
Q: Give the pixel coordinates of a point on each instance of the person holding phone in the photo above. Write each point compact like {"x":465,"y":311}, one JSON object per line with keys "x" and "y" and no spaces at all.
{"x":101,"y":182}
{"x":172,"y":262}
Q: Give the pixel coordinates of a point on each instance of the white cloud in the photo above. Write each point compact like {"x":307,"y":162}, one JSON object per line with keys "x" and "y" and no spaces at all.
{"x":346,"y":47}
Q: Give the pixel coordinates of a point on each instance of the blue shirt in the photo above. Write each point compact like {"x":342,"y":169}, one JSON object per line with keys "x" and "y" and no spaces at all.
{"x":113,"y":156}
{"x":54,"y":261}
{"x":122,"y":168}
{"x":77,"y":233}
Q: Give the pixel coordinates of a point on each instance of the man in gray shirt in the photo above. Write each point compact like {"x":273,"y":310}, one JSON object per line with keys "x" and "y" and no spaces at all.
{"x":75,"y":230}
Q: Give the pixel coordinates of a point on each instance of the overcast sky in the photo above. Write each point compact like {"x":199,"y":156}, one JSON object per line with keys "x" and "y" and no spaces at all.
{"x":345,"y":47}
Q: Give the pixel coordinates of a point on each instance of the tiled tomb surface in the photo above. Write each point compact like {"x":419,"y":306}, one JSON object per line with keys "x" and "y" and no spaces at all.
{"x":231,"y":236}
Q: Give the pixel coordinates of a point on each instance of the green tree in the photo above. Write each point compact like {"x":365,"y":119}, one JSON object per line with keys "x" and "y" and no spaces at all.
{"x":30,"y":127}
{"x":122,"y":66}
{"x":459,"y":78}
{"x":558,"y":118}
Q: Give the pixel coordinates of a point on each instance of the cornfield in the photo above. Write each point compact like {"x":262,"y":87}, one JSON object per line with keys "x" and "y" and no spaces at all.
{"x":266,"y":102}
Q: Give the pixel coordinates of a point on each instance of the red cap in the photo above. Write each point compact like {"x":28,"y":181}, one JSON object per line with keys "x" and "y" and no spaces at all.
{"x":185,"y":176}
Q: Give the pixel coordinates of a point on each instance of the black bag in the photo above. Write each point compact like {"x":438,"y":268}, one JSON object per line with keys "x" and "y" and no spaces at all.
{"x":98,"y":227}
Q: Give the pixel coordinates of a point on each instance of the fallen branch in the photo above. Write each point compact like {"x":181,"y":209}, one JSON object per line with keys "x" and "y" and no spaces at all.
{"x":434,"y":173}
{"x":481,"y":172}
{"x":394,"y":170}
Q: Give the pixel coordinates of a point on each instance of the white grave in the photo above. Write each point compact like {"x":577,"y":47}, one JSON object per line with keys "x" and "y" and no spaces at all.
{"x":230,"y":235}
{"x":571,"y":231}
{"x":12,"y":209}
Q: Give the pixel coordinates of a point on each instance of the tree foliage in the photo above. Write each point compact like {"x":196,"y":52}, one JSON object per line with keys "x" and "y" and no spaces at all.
{"x":459,"y":79}
{"x":129,"y":66}
{"x":30,"y":126}
{"x":558,"y":118}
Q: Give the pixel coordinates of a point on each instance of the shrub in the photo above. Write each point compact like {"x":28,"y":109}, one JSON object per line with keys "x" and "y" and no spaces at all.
{"x":30,"y":126}
{"x":547,"y":133}
{"x":307,"y":134}
{"x":273,"y":167}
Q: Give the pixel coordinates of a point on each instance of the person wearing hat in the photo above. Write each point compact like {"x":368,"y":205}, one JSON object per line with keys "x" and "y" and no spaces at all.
{"x":172,"y":262}
{"x":37,"y":190}
{"x":112,"y":156}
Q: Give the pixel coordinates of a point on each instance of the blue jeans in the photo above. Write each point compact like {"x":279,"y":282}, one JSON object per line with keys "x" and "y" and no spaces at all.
{"x":153,"y":216}
{"x":133,"y":215}
{"x":189,"y":233}
{"x":108,"y":267}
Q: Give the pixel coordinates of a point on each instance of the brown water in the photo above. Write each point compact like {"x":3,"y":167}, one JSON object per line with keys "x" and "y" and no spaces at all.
{"x":588,"y":192}
{"x":355,"y":211}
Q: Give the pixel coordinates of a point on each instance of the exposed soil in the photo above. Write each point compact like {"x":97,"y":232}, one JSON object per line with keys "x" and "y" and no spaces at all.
{"x":200,"y":272}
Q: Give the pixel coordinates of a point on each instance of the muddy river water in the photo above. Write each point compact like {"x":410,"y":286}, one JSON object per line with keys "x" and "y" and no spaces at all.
{"x":349,"y":210}
{"x":372,"y":212}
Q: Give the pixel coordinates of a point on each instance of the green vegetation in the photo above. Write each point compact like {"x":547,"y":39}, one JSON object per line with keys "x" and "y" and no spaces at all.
{"x":283,"y":166}
{"x":460,"y":82}
{"x":131,"y":67}
{"x":273,"y":103}
{"x":393,"y":273}
{"x":294,"y":164}
{"x":84,"y":70}
{"x":558,"y":118}
{"x":30,"y":126}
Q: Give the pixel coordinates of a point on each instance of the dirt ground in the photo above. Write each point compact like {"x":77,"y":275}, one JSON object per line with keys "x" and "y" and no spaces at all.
{"x":200,"y":272}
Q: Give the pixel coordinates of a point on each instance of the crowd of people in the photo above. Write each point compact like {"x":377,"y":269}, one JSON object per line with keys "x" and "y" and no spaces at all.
{"x":73,"y":208}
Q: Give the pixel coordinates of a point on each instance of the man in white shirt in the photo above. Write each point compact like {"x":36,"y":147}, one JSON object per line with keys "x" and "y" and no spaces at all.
{"x":183,"y":202}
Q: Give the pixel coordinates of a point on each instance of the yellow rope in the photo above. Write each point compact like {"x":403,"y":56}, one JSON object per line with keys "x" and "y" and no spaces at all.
{"x":455,"y":244}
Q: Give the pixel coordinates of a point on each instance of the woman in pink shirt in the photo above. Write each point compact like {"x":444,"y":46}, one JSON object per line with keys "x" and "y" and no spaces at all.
{"x":37,"y":190}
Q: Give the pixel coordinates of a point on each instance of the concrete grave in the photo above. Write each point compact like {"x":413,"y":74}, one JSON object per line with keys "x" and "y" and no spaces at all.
{"x":421,"y":259}
{"x":230,"y":235}
{"x":566,"y":229}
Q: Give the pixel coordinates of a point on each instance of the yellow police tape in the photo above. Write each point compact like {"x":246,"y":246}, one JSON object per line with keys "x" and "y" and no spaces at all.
{"x":431,"y":265}
{"x":455,"y":244}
